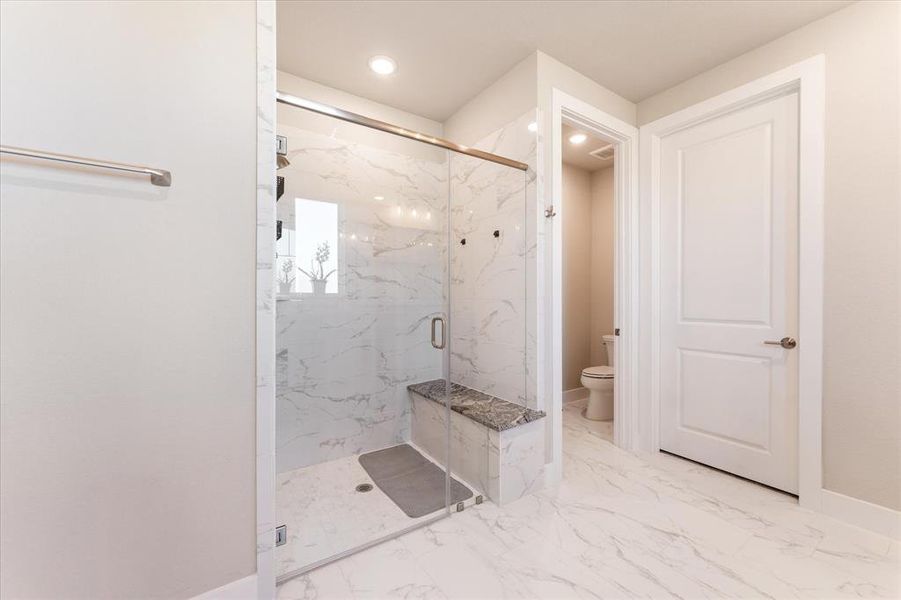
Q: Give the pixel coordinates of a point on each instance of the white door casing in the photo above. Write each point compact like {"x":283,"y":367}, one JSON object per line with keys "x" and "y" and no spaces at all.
{"x":729,"y":282}
{"x":626,"y":273}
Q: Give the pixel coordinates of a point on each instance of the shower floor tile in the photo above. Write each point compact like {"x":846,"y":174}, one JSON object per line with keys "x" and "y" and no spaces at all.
{"x":326,"y":516}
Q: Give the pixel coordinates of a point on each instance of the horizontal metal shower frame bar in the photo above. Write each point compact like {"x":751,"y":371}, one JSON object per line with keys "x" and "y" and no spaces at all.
{"x":331,"y":111}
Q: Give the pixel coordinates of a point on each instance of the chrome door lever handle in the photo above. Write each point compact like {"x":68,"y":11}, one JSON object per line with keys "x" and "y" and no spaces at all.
{"x":786,"y":342}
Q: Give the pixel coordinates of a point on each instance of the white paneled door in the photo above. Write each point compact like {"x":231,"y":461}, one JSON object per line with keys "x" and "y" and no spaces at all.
{"x":729,"y":290}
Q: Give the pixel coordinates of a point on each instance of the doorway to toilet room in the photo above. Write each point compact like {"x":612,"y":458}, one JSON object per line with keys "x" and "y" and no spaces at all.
{"x":589,"y":376}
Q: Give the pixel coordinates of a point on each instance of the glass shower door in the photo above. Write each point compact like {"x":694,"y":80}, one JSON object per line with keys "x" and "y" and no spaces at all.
{"x":489,"y":310}
{"x":362,"y":314}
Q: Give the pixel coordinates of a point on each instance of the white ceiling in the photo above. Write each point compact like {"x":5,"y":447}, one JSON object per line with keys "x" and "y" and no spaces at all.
{"x":448,"y":51}
{"x":580,"y":155}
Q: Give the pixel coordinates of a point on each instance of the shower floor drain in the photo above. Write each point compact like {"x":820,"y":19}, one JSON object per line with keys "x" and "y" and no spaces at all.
{"x":364,"y":487}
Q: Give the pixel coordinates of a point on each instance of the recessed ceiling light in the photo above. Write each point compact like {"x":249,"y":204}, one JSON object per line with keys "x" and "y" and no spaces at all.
{"x":533,"y":126}
{"x":577,"y":138}
{"x":383,"y":65}
{"x":378,"y":197}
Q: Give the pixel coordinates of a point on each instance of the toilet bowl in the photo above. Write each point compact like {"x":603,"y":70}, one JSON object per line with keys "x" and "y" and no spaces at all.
{"x":599,"y":382}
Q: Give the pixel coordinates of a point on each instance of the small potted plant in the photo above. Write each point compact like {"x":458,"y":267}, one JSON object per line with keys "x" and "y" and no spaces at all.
{"x":318,"y":276}
{"x":285,"y":280}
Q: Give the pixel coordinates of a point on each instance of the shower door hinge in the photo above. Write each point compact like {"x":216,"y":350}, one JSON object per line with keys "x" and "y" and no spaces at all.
{"x":281,"y":535}
{"x":550,"y":211}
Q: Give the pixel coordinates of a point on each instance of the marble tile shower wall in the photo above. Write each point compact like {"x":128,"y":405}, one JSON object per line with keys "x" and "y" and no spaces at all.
{"x":344,"y":360}
{"x":493,"y":291}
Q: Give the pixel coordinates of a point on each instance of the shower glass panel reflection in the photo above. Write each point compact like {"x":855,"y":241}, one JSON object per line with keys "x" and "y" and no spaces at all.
{"x":364,"y":265}
{"x":488,"y":317}
{"x":488,"y":277}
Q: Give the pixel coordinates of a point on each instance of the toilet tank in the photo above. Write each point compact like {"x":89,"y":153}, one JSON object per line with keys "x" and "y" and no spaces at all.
{"x":609,"y":340}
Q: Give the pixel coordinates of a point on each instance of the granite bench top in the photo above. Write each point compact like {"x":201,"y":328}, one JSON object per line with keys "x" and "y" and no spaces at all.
{"x":490,"y":411}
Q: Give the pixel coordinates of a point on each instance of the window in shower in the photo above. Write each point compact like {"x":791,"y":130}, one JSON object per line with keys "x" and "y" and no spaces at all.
{"x":310,"y":250}
{"x":316,"y":246}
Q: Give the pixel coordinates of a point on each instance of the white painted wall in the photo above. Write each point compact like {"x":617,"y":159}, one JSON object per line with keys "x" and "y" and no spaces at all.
{"x":602,"y":265}
{"x":587,"y":269}
{"x":862,"y":324}
{"x":127,"y":310}
{"x":497,"y":105}
{"x":554,"y":74}
{"x":577,"y":275}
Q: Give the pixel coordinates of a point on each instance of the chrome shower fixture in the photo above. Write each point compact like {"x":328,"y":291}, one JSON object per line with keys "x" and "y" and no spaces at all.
{"x":281,"y":152}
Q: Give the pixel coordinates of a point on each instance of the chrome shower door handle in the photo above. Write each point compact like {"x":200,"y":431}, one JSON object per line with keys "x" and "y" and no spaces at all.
{"x":786,"y":342}
{"x":435,"y":343}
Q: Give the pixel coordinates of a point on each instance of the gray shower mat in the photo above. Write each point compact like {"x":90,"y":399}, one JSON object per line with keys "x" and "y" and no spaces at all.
{"x":413,"y":482}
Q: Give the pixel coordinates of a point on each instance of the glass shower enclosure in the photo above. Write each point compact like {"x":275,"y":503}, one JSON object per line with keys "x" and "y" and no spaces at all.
{"x":366,"y":306}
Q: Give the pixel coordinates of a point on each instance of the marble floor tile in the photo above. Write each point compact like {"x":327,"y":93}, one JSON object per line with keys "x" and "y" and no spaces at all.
{"x":576,"y":422}
{"x":623,"y":525}
{"x":326,"y":516}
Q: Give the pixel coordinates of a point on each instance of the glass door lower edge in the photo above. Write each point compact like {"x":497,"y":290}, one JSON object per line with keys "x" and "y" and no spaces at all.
{"x":280,"y":579}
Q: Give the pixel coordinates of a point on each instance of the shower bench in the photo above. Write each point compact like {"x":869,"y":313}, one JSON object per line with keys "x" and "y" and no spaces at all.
{"x":496,"y":445}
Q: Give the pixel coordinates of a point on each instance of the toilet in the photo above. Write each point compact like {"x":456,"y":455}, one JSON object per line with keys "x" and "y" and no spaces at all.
{"x":599,"y":381}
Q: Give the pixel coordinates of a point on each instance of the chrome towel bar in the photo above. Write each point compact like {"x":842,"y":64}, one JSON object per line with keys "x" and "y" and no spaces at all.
{"x":157,"y":176}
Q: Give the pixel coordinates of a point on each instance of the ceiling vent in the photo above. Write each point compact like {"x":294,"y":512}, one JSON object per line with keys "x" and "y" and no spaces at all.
{"x":603,"y":153}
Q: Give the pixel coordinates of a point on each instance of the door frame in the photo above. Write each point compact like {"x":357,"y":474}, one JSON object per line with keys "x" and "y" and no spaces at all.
{"x":807,"y":79}
{"x":625,"y":266}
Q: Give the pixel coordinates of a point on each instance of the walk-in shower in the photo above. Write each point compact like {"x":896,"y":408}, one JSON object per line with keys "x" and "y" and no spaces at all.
{"x":401,"y":271}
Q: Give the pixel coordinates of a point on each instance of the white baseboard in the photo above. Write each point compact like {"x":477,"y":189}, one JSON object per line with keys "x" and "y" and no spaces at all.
{"x":242,"y":589}
{"x":575,"y":394}
{"x":861,"y":513}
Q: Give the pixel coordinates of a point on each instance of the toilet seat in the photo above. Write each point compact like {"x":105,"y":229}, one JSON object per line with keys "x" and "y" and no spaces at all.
{"x":603,"y":372}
